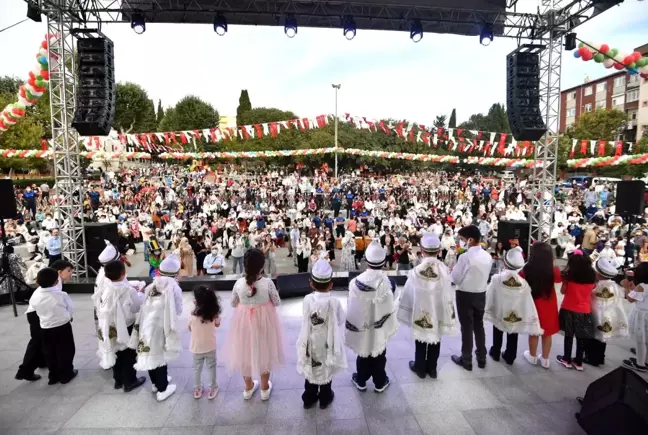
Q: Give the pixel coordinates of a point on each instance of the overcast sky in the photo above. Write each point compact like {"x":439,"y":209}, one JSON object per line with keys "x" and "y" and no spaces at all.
{"x":383,"y":74}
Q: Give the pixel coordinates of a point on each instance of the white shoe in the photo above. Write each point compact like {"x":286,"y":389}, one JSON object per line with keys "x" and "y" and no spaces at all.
{"x":533,"y":360}
{"x":544,"y":362}
{"x":247,"y":394}
{"x":154,"y":388}
{"x":161,"y":396}
{"x":265,"y":394}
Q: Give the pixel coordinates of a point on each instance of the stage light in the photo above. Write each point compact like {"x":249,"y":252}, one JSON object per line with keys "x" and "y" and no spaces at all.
{"x":34,"y":12}
{"x":138,"y":23}
{"x":349,"y":28}
{"x":416,"y":30}
{"x":290,"y":28}
{"x":486,"y":35}
{"x":220,"y":25}
{"x":570,"y":41}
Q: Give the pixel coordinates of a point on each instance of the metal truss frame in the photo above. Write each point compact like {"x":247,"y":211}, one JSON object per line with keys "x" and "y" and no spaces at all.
{"x":65,"y":142}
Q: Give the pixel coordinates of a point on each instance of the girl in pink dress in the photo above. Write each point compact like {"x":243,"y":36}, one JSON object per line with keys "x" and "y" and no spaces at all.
{"x":254,"y":344}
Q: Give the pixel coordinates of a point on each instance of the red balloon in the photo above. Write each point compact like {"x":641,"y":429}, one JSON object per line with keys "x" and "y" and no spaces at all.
{"x":619,"y":66}
{"x":604,"y":48}
{"x":627,"y":60}
{"x":44,"y":45}
{"x":588,"y":56}
{"x":644,"y":75}
{"x":583,"y":51}
{"x":636,"y":56}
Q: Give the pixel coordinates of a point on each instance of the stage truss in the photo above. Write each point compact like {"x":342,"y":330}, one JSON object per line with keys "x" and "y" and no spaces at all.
{"x":554,"y":19}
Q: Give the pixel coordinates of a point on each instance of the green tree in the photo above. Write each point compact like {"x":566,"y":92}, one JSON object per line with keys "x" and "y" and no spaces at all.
{"x":134,"y":110}
{"x":168,"y":123}
{"x":160,"y":113}
{"x":260,"y":115}
{"x":453,"y":119}
{"x":496,"y":120}
{"x":244,"y":106}
{"x":440,"y":121}
{"x":25,"y":134}
{"x":9,"y":85}
{"x":191,"y":113}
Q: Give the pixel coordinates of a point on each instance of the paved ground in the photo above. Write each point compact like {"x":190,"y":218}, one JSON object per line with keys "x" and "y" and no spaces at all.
{"x":498,"y":400}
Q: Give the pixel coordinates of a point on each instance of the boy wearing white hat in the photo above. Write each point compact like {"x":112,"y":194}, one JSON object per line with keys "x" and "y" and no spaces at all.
{"x":371,"y":320}
{"x":320,"y":346}
{"x":156,"y":334}
{"x":510,"y":307}
{"x":427,"y":307}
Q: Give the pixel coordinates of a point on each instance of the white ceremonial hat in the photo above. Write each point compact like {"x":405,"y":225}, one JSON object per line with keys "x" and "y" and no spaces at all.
{"x":605,"y":267}
{"x":109,"y":253}
{"x":322,"y":271}
{"x":375,"y":254}
{"x":430,"y":242}
{"x":514,"y":259}
{"x":170,"y":266}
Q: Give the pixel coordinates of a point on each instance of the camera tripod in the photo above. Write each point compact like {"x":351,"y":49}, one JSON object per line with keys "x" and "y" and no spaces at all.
{"x":6,"y":272}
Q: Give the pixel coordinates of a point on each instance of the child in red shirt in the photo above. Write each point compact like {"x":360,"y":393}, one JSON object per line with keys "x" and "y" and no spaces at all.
{"x":575,"y":316}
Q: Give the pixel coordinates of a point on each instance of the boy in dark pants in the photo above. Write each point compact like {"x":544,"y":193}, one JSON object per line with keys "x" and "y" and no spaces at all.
{"x":54,"y":310}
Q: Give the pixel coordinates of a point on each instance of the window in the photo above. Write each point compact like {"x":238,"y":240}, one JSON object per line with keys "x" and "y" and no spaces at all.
{"x":571,"y":96}
{"x":601,"y":104}
{"x":588,"y":107}
{"x":619,"y":81}
{"x":633,"y":95}
{"x":588,"y":90}
{"x":571,"y":112}
{"x":644,"y":103}
{"x":618,"y":101}
{"x":601,"y":87}
{"x":632,"y":115}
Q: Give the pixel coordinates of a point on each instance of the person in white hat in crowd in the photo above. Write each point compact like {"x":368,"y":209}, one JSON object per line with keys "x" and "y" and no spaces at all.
{"x":608,"y":252}
{"x":117,"y":306}
{"x":371,"y":320}
{"x":348,"y":252}
{"x":320,"y":345}
{"x":427,"y":307}
{"x":610,"y":319}
{"x":32,"y":271}
{"x":510,"y":307}
{"x":156,"y":334}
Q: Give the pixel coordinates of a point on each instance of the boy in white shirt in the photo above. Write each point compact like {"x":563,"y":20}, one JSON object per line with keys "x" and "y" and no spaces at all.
{"x":54,"y":309}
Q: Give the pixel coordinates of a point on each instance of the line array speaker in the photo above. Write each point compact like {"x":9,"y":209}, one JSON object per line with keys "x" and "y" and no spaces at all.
{"x":96,"y":233}
{"x":523,"y":96}
{"x":95,"y":99}
{"x":9,"y":208}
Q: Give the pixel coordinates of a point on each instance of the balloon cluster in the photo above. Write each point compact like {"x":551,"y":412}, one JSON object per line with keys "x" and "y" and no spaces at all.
{"x":634,"y":62}
{"x":30,"y":91}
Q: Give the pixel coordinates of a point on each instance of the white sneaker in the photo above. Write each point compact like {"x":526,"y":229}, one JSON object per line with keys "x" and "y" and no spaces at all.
{"x":161,"y":396}
{"x":247,"y":394}
{"x":265,"y":394}
{"x":533,"y":360}
{"x":154,"y":388}
{"x":544,"y":362}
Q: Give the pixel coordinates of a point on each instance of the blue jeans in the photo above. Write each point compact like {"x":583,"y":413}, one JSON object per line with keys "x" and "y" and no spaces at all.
{"x":147,"y":250}
{"x":239,"y":261}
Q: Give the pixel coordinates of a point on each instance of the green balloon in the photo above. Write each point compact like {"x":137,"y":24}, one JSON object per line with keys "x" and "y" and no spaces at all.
{"x":642,"y":62}
{"x":614,"y":52}
{"x":632,"y":65}
{"x":598,"y":58}
{"x":582,"y":44}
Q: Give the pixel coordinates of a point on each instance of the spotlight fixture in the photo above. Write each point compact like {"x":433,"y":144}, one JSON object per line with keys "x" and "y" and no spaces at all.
{"x":220,"y":25}
{"x":290,"y":27}
{"x":349,"y":26}
{"x":486,"y":35}
{"x":570,"y":41}
{"x":138,"y":23}
{"x":34,"y":12}
{"x":416,"y":30}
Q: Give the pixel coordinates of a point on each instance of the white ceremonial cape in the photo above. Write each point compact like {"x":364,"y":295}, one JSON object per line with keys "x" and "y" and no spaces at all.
{"x":112,"y":330}
{"x":427,"y":302}
{"x":371,"y":313}
{"x":610,"y":319}
{"x":320,"y":345}
{"x":155,"y":335}
{"x":509,"y":304}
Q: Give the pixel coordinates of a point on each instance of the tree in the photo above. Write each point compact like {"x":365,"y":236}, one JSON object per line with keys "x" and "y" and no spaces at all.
{"x":260,"y":115}
{"x":453,"y":119}
{"x":244,"y":106}
{"x":440,"y":121}
{"x":25,"y":134}
{"x":496,"y":120}
{"x":160,"y":113}
{"x":134,"y":110}
{"x":191,"y":113}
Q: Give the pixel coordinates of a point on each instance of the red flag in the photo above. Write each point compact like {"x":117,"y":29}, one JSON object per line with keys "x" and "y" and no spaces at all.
{"x":321,"y":121}
{"x":399,"y":129}
{"x":502,"y":142}
{"x":411,"y":136}
{"x":601,"y":148}
{"x":244,"y":132}
{"x":440,"y":133}
{"x":583,"y":147}
{"x":618,"y":148}
{"x":183,"y":137}
{"x":479,"y":134}
{"x":122,"y":139}
{"x":44,"y":144}
{"x":487,"y":148}
{"x":530,"y":149}
{"x":459,"y":131}
{"x":172,"y":135}
{"x":273,"y":129}
{"x":259,"y":130}
{"x":305,"y":123}
{"x":167,"y":140}
{"x":384,"y":128}
{"x":197,"y":134}
{"x":372,"y":126}
{"x":349,"y":119}
{"x":151,"y":137}
{"x":212,"y":134}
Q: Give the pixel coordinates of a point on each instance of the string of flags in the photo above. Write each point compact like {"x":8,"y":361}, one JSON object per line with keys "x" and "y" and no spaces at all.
{"x":626,"y":159}
{"x":90,"y":155}
{"x":600,"y":147}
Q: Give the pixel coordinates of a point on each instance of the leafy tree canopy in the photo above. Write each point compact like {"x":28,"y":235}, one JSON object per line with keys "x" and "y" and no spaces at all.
{"x":244,"y":106}
{"x":260,"y":115}
{"x":440,"y":121}
{"x":160,"y":113}
{"x":134,"y":110}
{"x":191,"y":113}
{"x":496,"y":120}
{"x":453,"y":119}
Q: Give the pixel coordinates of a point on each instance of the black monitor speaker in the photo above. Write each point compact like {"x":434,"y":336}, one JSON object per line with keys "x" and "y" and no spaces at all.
{"x":523,"y":96}
{"x":630,"y":198}
{"x":616,"y":403}
{"x":95,"y":236}
{"x":9,"y":208}
{"x":95,"y":94}
{"x":509,"y":230}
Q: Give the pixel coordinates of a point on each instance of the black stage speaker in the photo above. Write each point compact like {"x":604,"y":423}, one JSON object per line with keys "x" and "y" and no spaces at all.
{"x":295,"y":284}
{"x":523,"y":95}
{"x":616,"y":403}
{"x":630,"y":197}
{"x":95,"y":99}
{"x":9,"y":208}
{"x":95,"y":236}
{"x":507,"y":230}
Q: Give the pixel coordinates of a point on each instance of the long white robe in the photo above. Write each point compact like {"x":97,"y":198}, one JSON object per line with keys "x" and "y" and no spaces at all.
{"x":427,"y":302}
{"x":509,"y":305}
{"x":610,"y":319}
{"x":371,"y":313}
{"x":320,"y":345}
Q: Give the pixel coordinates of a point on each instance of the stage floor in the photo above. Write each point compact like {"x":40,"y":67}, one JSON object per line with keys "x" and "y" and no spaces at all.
{"x":498,"y":400}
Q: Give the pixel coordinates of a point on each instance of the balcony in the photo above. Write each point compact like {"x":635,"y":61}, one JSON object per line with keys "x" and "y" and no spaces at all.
{"x":634,"y":81}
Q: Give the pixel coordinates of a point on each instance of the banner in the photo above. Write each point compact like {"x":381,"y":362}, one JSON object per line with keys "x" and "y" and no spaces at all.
{"x":90,"y":155}
{"x":628,"y":159}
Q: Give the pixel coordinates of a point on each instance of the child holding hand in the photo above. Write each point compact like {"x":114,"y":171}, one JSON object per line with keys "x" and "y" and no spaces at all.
{"x":204,"y":320}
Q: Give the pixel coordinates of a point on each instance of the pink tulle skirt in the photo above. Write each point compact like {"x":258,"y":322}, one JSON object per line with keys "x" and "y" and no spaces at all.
{"x":254,"y":342}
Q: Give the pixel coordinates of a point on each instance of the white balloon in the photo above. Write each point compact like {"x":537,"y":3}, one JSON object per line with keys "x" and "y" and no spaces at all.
{"x":608,"y":63}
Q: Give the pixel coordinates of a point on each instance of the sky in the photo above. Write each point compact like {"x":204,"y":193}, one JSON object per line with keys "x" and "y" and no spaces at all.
{"x":383,"y":74}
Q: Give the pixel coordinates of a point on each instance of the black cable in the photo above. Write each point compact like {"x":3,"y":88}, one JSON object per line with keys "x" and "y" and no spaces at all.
{"x":14,"y":25}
